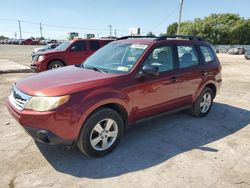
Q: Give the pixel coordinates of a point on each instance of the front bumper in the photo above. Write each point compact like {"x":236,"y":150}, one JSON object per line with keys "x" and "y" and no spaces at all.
{"x":52,"y":127}
{"x":47,"y":137}
{"x":38,"y":66}
{"x":34,"y":67}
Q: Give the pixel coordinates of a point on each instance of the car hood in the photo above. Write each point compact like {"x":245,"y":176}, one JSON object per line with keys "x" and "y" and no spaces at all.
{"x":63,"y":81}
{"x":49,"y":52}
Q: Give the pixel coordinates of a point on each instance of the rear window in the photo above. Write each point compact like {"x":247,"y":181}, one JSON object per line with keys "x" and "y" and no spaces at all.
{"x":207,"y":54}
{"x":94,"y":45}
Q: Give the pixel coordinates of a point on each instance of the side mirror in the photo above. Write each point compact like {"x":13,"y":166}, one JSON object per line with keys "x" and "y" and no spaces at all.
{"x":73,"y":48}
{"x":150,"y":70}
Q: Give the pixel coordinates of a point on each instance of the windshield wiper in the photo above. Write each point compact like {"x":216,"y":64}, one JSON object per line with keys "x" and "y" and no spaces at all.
{"x":93,"y":68}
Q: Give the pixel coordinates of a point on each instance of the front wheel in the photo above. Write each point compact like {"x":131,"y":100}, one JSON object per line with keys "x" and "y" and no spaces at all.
{"x":101,"y":133}
{"x":55,"y":64}
{"x":203,"y":104}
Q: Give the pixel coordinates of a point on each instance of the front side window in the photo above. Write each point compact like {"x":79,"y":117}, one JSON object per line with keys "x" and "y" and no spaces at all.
{"x":207,"y":54}
{"x":63,"y":46}
{"x":115,"y":57}
{"x":161,"y":57}
{"x":187,"y":56}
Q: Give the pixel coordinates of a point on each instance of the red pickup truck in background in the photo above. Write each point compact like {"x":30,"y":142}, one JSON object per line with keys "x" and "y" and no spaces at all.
{"x":30,"y":42}
{"x":68,"y":53}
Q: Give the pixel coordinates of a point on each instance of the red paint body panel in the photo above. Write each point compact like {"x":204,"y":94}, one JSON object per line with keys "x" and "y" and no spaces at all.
{"x":89,"y":90}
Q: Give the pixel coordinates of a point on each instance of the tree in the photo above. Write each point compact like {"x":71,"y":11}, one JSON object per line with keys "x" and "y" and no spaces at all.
{"x":150,"y":34}
{"x":3,"y":37}
{"x":172,"y":29}
{"x":216,"y":29}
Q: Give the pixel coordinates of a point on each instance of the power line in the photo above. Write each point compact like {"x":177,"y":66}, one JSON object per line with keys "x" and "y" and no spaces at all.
{"x":56,"y":26}
{"x":166,"y":17}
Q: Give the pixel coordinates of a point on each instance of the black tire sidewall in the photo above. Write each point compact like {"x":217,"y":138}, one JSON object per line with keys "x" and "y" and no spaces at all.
{"x":55,"y":62}
{"x":84,"y":139}
{"x":206,"y":89}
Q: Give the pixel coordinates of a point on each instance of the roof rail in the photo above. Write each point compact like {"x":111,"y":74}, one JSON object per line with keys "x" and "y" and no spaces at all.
{"x":185,"y":37}
{"x":127,"y":37}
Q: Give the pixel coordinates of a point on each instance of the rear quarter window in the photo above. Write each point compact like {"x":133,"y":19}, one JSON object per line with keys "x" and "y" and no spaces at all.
{"x":94,"y":45}
{"x":207,"y":54}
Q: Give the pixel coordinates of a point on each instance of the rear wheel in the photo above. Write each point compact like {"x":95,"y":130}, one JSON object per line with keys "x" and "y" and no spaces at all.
{"x":55,"y":64}
{"x":203,"y":104}
{"x":101,"y":133}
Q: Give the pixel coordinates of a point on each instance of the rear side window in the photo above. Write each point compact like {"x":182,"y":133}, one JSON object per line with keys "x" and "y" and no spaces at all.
{"x":162,"y":58}
{"x":94,"y":45}
{"x":207,"y":54}
{"x":187,"y":56}
{"x":79,"y":46}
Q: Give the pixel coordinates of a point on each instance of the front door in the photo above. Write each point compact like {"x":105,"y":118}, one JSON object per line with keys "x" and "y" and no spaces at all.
{"x":77,"y":53}
{"x":156,"y":94}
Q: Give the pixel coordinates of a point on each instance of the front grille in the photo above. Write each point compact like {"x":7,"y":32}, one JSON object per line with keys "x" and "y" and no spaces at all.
{"x":18,"y":99}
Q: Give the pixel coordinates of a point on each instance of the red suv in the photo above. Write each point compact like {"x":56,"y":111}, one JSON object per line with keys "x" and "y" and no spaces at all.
{"x":68,"y":53}
{"x":123,"y":82}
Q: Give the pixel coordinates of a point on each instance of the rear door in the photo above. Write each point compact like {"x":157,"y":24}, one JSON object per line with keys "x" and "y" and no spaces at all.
{"x":77,"y":52}
{"x":190,"y":70}
{"x":94,"y":45}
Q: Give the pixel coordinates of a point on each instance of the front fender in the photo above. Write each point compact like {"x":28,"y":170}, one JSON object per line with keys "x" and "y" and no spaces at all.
{"x":98,"y":98}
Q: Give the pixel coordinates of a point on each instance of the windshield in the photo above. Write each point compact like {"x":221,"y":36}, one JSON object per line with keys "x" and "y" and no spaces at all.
{"x":63,"y":46}
{"x":115,"y":57}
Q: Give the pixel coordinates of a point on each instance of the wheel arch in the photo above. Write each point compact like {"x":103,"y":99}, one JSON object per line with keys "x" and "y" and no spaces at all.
{"x":213,"y":88}
{"x":209,"y":84}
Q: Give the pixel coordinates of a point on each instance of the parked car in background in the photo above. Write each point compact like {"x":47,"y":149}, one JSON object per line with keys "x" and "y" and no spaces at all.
{"x":47,"y":41}
{"x":68,"y":53}
{"x":247,"y":54}
{"x":123,"y":82}
{"x":30,"y":42}
{"x":46,"y":48}
{"x":236,"y":51}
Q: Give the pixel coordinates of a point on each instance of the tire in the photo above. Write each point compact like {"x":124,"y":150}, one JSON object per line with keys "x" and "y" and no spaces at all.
{"x":94,"y":140}
{"x":55,"y":64}
{"x":206,"y":97}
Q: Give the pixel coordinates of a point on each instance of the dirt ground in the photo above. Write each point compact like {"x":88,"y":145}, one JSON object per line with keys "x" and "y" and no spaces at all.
{"x":169,"y":151}
{"x":17,"y":53}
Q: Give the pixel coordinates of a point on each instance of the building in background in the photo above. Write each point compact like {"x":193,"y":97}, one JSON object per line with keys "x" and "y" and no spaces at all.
{"x":72,"y":35}
{"x":135,"y":31}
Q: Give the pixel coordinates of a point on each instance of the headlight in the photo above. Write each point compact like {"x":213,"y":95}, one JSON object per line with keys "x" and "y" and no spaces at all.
{"x":34,"y":57}
{"x":41,"y":57}
{"x":46,"y":103}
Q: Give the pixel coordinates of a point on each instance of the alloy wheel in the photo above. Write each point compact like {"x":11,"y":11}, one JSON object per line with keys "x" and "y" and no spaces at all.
{"x":104,"y":134}
{"x":205,"y":103}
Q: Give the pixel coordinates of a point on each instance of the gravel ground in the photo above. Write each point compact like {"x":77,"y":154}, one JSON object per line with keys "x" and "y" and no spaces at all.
{"x":169,"y":151}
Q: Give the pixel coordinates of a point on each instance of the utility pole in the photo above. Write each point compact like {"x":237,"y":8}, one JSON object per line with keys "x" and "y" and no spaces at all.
{"x":115,"y":32}
{"x":179,"y":22}
{"x":20,"y":30}
{"x":41,"y":30}
{"x":110,"y":31}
